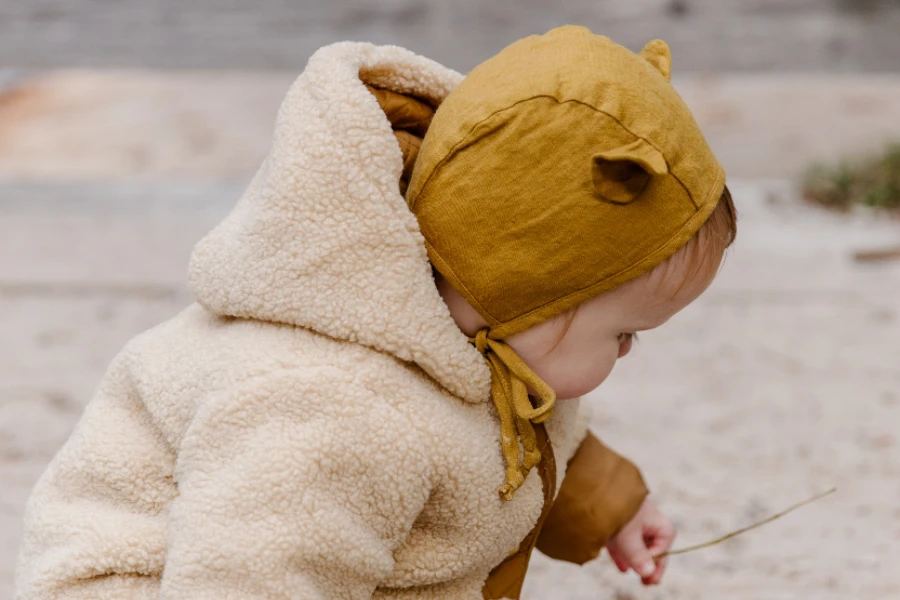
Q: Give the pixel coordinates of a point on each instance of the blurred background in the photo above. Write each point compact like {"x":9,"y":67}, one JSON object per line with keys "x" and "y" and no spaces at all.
{"x":128,"y":129}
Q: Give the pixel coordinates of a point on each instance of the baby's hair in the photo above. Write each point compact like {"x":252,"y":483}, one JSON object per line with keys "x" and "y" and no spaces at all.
{"x":709,"y":243}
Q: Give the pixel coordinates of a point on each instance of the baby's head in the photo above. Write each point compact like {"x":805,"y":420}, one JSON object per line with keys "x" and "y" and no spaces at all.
{"x":568,"y":200}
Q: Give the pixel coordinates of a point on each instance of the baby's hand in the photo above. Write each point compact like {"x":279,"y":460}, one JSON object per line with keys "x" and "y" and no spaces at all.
{"x":647,"y":534}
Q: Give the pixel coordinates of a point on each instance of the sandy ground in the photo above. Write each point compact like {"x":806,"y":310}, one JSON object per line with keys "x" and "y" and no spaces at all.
{"x":782,"y":381}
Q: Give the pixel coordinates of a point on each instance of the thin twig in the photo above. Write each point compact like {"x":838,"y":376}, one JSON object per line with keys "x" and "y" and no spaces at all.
{"x":748,"y":528}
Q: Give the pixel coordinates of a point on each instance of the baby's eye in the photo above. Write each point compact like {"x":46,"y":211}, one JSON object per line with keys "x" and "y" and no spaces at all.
{"x":625,"y":342}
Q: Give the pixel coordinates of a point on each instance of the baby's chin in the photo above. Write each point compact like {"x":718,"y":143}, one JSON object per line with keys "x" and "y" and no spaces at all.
{"x":576,"y":385}
{"x":571,"y":392}
{"x":563,"y":392}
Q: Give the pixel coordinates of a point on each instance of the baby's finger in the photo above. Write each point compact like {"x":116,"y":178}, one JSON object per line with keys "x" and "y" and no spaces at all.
{"x":618,"y":560}
{"x":663,"y":537}
{"x":661,"y":540}
{"x":657,"y":576}
{"x":658,"y":543}
{"x":635,"y":554}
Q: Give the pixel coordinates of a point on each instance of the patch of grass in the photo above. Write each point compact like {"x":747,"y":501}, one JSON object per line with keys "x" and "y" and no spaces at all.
{"x":872,"y":182}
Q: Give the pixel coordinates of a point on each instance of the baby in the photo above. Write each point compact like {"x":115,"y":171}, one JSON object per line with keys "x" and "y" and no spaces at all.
{"x":376,"y":393}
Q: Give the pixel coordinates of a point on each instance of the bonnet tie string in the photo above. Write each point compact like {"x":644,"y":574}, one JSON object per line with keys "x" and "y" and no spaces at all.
{"x":510,"y":380}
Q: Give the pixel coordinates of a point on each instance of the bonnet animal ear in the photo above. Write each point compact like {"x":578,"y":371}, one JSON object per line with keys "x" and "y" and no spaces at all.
{"x":657,"y":53}
{"x":621,"y":174}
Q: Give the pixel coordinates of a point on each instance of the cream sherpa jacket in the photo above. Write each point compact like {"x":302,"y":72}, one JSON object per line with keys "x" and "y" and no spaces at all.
{"x":316,"y":426}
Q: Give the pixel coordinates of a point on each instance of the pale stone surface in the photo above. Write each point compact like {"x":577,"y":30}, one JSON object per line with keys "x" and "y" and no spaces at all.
{"x":100,"y":125}
{"x":780,"y":382}
{"x":90,"y":125}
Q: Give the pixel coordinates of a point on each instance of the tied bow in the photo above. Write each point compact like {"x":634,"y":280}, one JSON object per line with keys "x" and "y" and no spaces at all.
{"x":510,"y":380}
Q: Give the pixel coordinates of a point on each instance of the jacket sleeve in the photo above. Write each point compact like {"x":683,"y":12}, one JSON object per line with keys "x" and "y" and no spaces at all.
{"x":600,"y":493}
{"x":296,"y":487}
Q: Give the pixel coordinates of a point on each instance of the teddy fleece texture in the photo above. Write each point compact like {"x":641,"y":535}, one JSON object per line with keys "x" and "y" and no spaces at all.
{"x":315,"y":426}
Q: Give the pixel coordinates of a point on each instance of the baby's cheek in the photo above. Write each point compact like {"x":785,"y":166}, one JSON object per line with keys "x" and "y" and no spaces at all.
{"x":578,"y":375}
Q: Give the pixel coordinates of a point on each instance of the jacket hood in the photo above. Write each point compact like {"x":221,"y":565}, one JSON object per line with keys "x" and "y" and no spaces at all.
{"x":323,"y":239}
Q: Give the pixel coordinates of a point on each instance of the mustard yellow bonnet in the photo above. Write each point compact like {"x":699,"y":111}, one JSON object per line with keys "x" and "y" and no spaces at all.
{"x":559,"y":169}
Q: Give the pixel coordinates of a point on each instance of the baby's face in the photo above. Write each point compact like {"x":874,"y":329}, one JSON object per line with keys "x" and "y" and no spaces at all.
{"x":603,"y":328}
